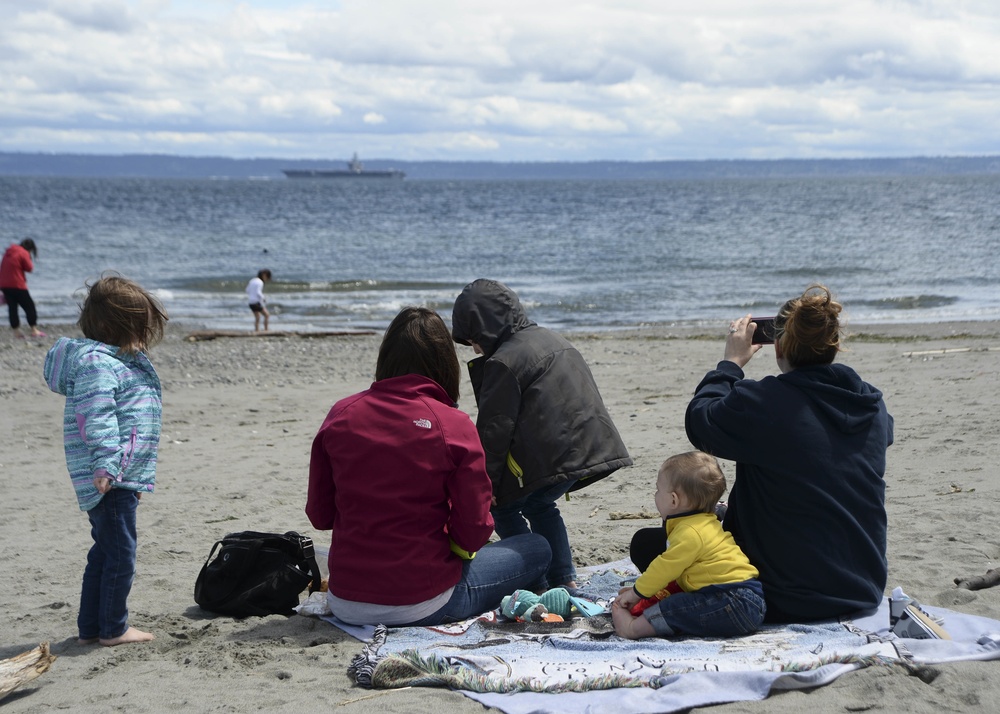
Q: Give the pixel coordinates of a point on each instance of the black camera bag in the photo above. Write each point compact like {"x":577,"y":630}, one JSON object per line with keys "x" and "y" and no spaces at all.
{"x":252,"y":573}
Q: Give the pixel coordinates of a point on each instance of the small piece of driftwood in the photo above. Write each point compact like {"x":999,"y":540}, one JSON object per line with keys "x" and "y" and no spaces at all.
{"x":625,"y":515}
{"x":202,"y":335}
{"x":950,"y":351}
{"x":25,"y":667}
{"x":978,"y":582}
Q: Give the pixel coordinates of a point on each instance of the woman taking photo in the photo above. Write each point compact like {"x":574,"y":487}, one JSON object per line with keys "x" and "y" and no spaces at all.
{"x":398,"y":474}
{"x":808,"y":502}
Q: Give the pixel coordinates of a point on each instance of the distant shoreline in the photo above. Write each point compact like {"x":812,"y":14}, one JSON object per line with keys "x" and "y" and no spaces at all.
{"x":39,"y":164}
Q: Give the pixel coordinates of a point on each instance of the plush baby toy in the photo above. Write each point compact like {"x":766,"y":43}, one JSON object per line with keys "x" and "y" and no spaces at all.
{"x":553,"y":605}
{"x":524,"y":606}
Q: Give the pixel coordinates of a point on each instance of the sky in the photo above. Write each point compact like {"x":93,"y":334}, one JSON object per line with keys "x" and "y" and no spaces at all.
{"x":502,"y":80}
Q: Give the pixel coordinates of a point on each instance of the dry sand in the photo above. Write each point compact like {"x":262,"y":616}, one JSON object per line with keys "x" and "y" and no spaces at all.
{"x":239,"y":417}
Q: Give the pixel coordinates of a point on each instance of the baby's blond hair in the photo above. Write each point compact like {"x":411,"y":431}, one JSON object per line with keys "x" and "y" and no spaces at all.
{"x":697,"y":476}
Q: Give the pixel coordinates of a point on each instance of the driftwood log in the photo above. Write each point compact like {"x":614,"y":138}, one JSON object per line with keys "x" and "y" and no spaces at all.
{"x":25,"y":667}
{"x":978,"y":582}
{"x":626,"y":515}
{"x":202,"y":335}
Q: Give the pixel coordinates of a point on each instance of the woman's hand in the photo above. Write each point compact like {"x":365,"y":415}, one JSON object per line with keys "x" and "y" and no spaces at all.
{"x":739,"y":343}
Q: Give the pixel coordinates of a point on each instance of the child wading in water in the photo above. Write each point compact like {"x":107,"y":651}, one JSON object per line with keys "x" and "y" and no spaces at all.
{"x":111,"y":431}
{"x":702,"y":585}
{"x":255,"y":297}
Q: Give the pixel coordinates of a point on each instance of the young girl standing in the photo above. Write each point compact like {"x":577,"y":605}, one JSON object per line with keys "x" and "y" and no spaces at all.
{"x":111,"y":430}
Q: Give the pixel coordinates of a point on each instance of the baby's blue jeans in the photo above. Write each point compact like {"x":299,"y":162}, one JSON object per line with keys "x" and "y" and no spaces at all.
{"x":714,"y":611}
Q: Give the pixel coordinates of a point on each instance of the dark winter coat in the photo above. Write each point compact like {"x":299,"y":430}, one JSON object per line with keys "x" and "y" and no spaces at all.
{"x":541,"y":417}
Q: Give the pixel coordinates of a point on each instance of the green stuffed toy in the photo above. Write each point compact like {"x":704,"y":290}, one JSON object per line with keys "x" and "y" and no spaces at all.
{"x":553,"y":605}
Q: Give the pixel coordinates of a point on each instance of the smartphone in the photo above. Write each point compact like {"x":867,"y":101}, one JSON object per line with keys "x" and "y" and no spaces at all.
{"x":764,"y":334}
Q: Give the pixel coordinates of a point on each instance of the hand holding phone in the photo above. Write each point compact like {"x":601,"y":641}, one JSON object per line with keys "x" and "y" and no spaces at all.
{"x":764,"y":334}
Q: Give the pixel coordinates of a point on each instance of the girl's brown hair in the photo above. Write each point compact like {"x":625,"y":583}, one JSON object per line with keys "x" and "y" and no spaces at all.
{"x":808,"y":327}
{"x":119,"y":312}
{"x":698,"y":477}
{"x":418,"y":342}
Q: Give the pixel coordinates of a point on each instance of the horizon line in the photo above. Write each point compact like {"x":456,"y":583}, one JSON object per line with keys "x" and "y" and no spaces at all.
{"x":915,"y":157}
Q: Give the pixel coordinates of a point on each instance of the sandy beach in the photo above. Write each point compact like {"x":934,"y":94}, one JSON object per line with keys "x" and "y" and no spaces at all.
{"x":240,"y":415}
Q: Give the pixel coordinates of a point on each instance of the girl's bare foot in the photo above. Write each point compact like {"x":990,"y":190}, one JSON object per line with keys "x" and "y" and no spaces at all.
{"x":130,"y":635}
{"x":87,"y":641}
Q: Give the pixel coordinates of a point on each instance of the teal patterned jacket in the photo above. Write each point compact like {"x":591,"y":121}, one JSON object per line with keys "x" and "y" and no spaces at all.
{"x":111,"y":426}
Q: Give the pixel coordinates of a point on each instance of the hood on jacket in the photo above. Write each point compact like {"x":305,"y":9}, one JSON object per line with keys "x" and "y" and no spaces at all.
{"x":64,"y":357}
{"x":486,"y":313}
{"x":846,"y":399}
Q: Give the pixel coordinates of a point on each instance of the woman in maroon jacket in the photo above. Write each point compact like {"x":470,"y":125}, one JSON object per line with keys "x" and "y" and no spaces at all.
{"x":16,"y":262}
{"x":398,"y":474}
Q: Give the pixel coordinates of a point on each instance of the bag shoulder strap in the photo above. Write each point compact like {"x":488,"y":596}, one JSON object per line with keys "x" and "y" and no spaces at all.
{"x":308,"y":553}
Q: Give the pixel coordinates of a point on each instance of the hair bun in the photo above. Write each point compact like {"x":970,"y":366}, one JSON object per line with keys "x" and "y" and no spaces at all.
{"x":810,"y":327}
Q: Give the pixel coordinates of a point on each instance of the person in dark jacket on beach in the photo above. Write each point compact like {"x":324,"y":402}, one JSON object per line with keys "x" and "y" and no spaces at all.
{"x":542,"y":421}
{"x":808,"y":502}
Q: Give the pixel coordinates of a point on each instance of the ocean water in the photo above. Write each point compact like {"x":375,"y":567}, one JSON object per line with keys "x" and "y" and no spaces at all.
{"x":583,"y":255}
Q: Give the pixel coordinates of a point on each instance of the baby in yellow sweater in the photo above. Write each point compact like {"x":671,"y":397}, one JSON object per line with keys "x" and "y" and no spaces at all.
{"x":702,"y":585}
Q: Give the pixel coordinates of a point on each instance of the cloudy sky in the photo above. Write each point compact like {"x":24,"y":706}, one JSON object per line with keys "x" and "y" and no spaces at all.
{"x":502,"y":80}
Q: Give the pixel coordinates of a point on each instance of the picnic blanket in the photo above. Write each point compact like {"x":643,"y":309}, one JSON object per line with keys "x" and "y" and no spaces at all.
{"x":518,"y":667}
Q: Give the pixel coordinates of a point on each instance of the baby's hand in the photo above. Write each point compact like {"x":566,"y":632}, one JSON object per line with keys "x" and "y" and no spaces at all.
{"x":102,"y":484}
{"x":627,"y":597}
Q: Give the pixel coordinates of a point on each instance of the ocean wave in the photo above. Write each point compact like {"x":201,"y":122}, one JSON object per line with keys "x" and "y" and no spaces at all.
{"x":908,"y":302}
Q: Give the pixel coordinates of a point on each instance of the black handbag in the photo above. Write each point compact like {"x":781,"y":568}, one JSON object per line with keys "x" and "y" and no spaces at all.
{"x":250,"y":573}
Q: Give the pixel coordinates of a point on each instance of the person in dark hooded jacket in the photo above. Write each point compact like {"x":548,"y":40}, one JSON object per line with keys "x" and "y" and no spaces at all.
{"x":808,"y":502}
{"x":541,"y":420}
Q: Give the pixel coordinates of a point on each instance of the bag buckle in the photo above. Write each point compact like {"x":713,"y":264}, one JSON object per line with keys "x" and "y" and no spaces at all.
{"x":307,"y":547}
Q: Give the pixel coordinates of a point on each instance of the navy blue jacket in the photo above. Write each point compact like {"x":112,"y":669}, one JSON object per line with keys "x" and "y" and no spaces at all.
{"x":808,"y":503}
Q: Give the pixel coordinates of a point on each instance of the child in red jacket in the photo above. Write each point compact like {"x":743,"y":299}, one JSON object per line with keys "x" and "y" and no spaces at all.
{"x":16,"y":262}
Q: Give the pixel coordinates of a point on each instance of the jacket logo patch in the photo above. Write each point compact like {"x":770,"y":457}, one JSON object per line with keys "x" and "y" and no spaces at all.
{"x":422,"y":423}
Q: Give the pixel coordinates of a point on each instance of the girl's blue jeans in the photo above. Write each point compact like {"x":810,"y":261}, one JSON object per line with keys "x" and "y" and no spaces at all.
{"x":516,"y":563}
{"x":543,"y":518}
{"x":107,"y":579}
{"x":709,"y":612}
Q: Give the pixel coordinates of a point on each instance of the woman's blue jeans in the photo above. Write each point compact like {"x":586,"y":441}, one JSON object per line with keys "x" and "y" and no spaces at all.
{"x":107,"y":579}
{"x":543,"y":518}
{"x":517,"y":563}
